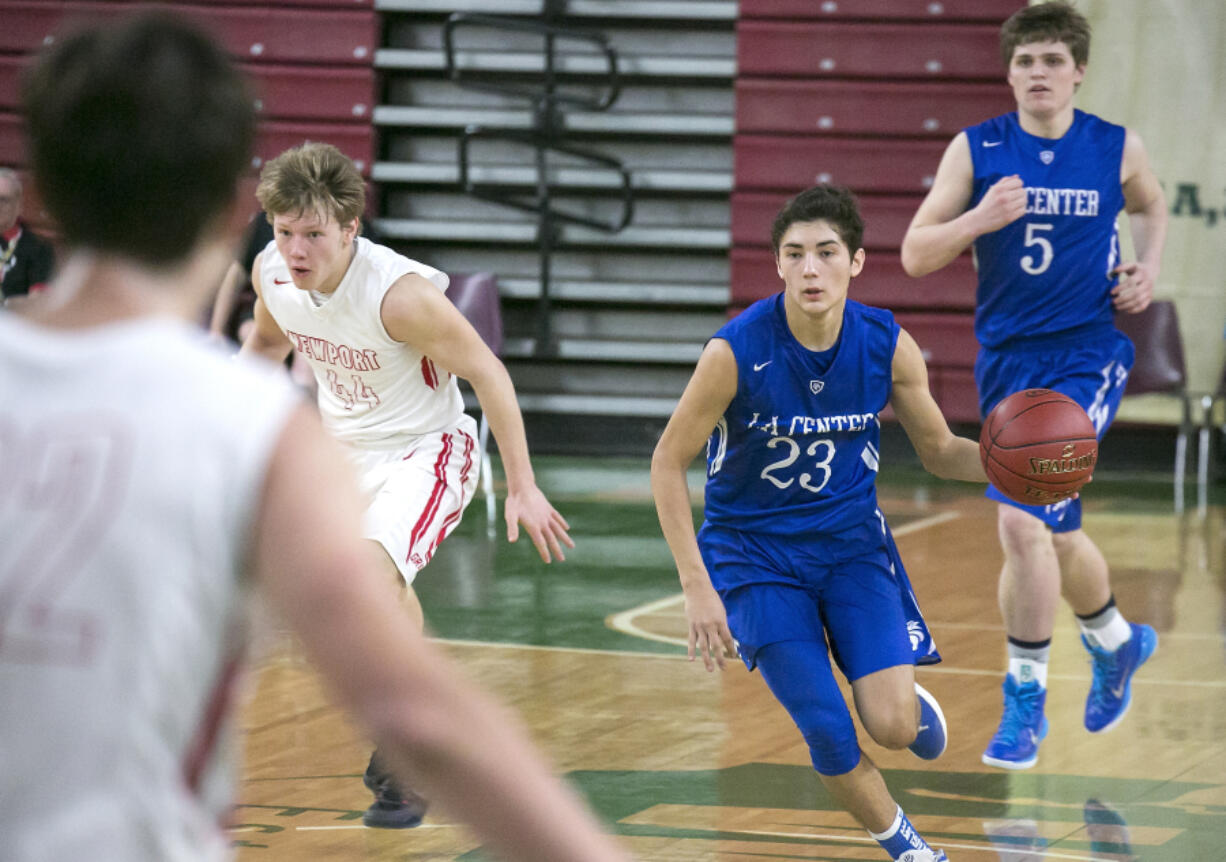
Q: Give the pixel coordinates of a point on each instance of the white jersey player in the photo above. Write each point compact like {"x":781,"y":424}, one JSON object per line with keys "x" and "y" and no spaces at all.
{"x":148,"y":483}
{"x":401,"y":415}
{"x":386,"y":345}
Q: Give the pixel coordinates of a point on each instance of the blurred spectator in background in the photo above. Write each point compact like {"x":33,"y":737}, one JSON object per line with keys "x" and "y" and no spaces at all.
{"x":235,"y":297}
{"x":26,"y":259}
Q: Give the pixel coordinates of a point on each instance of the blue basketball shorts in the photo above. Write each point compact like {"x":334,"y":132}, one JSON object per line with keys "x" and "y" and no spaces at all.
{"x":842,"y":591}
{"x":1093,"y":371}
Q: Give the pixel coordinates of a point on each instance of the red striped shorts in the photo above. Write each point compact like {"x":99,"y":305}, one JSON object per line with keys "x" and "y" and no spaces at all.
{"x":418,"y":493}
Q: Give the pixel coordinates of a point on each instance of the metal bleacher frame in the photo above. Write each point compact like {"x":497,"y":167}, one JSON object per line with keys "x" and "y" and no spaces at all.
{"x":547,"y":136}
{"x":630,"y":310}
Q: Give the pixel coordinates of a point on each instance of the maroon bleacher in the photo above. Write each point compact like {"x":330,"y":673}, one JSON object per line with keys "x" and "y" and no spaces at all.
{"x":12,"y":145}
{"x":330,"y":4}
{"x":790,"y":163}
{"x":353,"y":140}
{"x":10,"y":81}
{"x":949,"y":346}
{"x":994,"y":11}
{"x":778,"y":106}
{"x":283,"y":92}
{"x":310,"y":63}
{"x":867,"y":94}
{"x":313,"y":92}
{"x":253,"y":32}
{"x":886,"y":218}
{"x":845,"y":50}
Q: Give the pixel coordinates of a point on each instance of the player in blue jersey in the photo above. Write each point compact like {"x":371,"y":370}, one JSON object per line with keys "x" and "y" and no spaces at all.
{"x":794,"y":553}
{"x":1038,"y":192}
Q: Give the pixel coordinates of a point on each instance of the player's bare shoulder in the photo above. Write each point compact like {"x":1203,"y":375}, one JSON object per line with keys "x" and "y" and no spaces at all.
{"x":257,"y":283}
{"x":411,"y":307}
{"x":1135,"y":160}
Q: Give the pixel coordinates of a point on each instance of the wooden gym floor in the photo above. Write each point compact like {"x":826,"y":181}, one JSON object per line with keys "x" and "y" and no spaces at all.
{"x":696,"y":767}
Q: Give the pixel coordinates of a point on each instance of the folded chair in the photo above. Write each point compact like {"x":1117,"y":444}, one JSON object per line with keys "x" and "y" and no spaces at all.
{"x":476,"y":296}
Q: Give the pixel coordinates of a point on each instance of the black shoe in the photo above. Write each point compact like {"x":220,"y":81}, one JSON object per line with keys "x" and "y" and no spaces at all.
{"x":394,"y":807}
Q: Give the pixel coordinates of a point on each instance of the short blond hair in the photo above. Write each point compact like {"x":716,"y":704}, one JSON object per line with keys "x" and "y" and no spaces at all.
{"x":312,"y":178}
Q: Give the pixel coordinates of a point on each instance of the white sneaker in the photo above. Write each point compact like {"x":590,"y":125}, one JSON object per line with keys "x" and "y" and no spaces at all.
{"x":923,"y":856}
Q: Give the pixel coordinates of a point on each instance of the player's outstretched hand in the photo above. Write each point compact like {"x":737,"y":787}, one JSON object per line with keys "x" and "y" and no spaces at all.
{"x":545,"y":527}
{"x":1003,"y":203}
{"x":709,"y":634}
{"x":1136,"y":288}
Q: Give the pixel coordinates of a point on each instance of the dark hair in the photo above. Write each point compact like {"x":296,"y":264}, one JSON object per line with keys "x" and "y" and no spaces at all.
{"x":139,"y":129}
{"x":1056,"y":21}
{"x":829,"y":203}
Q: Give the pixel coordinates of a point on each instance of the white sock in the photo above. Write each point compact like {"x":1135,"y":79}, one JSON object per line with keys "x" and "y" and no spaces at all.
{"x":1026,"y":669}
{"x":1108,"y":631}
{"x":889,"y":833}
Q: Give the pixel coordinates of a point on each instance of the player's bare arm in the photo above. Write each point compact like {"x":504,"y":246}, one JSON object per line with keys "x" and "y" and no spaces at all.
{"x":223,"y":303}
{"x":703,"y":402}
{"x":266,"y":338}
{"x":1145,"y":204}
{"x":417,"y":313}
{"x":467,"y":751}
{"x":943,"y":227}
{"x":942,"y":452}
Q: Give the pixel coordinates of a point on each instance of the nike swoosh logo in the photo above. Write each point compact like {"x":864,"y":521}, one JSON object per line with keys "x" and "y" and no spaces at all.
{"x":1118,"y":692}
{"x":760,"y":366}
{"x":279,"y":281}
{"x":922,"y":728}
{"x":992,"y":143}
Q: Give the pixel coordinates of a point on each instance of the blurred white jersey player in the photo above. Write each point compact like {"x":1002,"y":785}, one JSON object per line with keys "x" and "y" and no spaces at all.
{"x":114,"y":684}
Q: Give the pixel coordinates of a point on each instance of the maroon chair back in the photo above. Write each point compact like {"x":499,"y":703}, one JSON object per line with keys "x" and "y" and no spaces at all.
{"x":476,"y":296}
{"x":1160,"y":364}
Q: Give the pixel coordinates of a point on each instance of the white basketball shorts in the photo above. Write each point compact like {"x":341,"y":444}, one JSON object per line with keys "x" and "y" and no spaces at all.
{"x":417,"y":494}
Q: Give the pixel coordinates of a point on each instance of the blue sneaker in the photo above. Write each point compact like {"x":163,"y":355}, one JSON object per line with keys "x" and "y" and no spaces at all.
{"x":930,"y":740}
{"x":1111,"y":691}
{"x":1022,"y":727}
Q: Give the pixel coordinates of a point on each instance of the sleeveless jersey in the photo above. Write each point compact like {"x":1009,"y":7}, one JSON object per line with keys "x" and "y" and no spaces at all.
{"x":132,"y":462}
{"x":1048,"y":273}
{"x":797,"y":449}
{"x":374,"y":391}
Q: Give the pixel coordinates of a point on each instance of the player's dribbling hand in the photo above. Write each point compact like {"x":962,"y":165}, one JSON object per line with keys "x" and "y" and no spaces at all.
{"x":1136,"y":287}
{"x":709,"y":634}
{"x":1003,"y":203}
{"x":546,"y":528}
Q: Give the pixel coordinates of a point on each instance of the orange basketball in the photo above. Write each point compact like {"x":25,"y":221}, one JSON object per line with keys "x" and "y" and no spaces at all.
{"x":1038,"y":447}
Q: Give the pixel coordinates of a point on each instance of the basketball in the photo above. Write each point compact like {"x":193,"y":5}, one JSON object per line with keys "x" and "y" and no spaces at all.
{"x":1038,"y":447}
